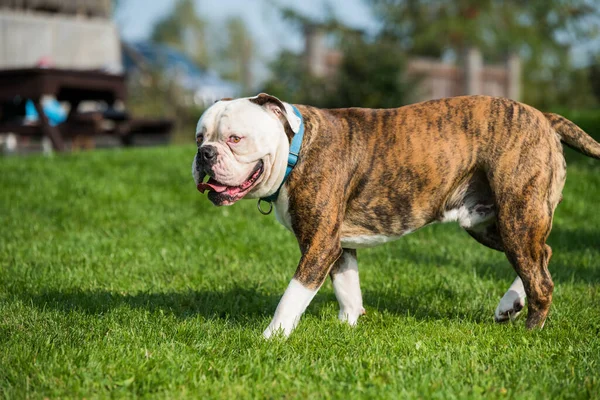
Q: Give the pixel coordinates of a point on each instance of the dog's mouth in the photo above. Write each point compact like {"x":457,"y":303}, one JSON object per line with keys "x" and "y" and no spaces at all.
{"x":221,"y":194}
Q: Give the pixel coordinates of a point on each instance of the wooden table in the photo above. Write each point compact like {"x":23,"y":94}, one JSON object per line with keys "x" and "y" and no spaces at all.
{"x":72,"y":86}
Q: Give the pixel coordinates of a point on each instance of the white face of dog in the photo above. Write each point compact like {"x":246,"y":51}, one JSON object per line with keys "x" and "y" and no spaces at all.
{"x":243,"y":148}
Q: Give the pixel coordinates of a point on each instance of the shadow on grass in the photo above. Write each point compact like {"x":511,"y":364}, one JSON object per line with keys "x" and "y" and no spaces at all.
{"x":433,"y":304}
{"x":562,"y":239}
{"x":235,"y":304}
{"x":240,"y":304}
{"x":573,"y":157}
{"x":564,"y":243}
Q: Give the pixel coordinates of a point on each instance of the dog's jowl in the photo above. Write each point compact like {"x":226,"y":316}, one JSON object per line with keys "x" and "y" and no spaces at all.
{"x":342,"y":179}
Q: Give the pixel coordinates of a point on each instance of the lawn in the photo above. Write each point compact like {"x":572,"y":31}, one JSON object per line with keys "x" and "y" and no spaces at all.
{"x":118,"y":279}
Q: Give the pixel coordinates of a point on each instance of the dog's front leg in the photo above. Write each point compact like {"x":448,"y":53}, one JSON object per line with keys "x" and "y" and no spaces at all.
{"x":310,"y":275}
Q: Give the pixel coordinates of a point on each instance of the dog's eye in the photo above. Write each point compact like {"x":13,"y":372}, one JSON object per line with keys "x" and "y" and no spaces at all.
{"x":234,"y":139}
{"x":199,"y":139}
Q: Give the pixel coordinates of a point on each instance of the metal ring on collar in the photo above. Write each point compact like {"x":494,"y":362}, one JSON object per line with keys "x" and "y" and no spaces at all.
{"x":263,"y":212}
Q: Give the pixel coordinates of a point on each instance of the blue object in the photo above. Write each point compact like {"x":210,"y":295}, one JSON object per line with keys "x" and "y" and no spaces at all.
{"x":55,"y":113}
{"x":295,"y":147}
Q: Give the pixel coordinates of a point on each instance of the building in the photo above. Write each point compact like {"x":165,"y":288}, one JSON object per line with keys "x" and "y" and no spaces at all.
{"x":66,"y":33}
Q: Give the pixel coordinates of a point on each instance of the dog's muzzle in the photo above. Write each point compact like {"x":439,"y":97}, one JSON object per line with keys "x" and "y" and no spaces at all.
{"x":205,"y":159}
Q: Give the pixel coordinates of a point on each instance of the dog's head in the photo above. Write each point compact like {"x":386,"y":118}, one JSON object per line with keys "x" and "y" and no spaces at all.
{"x":243,"y":147}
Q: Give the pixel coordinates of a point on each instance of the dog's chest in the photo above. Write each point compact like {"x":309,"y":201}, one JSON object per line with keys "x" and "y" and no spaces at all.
{"x":282,"y":212}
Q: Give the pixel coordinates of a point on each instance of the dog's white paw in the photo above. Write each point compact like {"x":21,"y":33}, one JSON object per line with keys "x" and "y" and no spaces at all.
{"x":351,"y":316}
{"x":279,"y":330}
{"x":510,"y":307}
{"x":268,"y":333}
{"x":291,"y":307}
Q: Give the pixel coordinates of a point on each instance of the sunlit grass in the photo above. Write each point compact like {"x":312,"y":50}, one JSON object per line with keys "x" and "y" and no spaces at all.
{"x":117,"y":278}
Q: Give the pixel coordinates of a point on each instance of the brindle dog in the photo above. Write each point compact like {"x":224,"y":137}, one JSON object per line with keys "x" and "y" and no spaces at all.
{"x":367,"y":176}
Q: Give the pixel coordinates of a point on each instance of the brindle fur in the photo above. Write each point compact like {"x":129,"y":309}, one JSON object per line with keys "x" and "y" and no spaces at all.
{"x":391,"y":171}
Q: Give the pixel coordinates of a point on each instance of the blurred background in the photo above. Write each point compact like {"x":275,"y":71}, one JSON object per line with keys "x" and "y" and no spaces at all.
{"x":138,"y":72}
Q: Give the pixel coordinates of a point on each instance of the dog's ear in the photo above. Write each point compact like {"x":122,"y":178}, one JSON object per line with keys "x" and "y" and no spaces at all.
{"x":282,"y":111}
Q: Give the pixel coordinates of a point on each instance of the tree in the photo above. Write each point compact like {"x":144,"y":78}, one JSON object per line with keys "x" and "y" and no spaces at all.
{"x":542,"y":32}
{"x":184,"y":30}
{"x":232,"y":54}
{"x":359,"y":80}
{"x":594,"y":79}
{"x":291,"y":81}
{"x":238,"y":53}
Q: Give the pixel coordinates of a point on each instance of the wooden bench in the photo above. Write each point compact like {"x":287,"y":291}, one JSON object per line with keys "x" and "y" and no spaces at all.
{"x":74,"y":87}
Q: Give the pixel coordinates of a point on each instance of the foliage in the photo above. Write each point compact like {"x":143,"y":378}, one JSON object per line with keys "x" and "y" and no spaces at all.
{"x":290,"y":81}
{"x":370,"y":73}
{"x":541,"y":32}
{"x":230,"y":51}
{"x":588,"y":120}
{"x":155,"y":96}
{"x":184,"y":30}
{"x":238,"y":53}
{"x":358,"y":82}
{"x":119,"y":280}
{"x":594,"y":76}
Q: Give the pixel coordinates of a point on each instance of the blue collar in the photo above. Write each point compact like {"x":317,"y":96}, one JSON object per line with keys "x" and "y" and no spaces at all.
{"x":295,"y":146}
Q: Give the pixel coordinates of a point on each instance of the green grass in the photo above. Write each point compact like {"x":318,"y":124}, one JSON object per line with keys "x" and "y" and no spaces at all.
{"x":118,"y":279}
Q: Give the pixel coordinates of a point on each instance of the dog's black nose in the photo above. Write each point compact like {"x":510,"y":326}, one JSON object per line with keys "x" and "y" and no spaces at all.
{"x":207,"y":153}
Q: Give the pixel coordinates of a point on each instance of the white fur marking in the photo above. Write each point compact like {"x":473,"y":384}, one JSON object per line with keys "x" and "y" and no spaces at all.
{"x":347,"y":290}
{"x":506,"y":307}
{"x":282,"y":212}
{"x":465,"y":217}
{"x":357,"y":242}
{"x":292,"y":118}
{"x":291,"y":307}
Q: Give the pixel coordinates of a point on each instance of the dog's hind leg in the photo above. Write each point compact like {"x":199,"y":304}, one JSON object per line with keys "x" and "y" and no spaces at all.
{"x":344,"y":275}
{"x":524,"y":228}
{"x":523,"y":243}
{"x":513,"y":301}
{"x":531,"y":264}
{"x":487,"y":234}
{"x":527,"y":178}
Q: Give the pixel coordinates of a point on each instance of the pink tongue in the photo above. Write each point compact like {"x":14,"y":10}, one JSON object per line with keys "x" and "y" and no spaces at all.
{"x":211,"y":185}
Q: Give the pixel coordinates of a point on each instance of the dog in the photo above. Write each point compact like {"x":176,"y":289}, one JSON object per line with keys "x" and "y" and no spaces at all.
{"x":343,"y":179}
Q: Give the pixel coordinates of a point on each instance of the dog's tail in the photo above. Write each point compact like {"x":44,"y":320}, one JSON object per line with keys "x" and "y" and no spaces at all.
{"x":573,"y":136}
